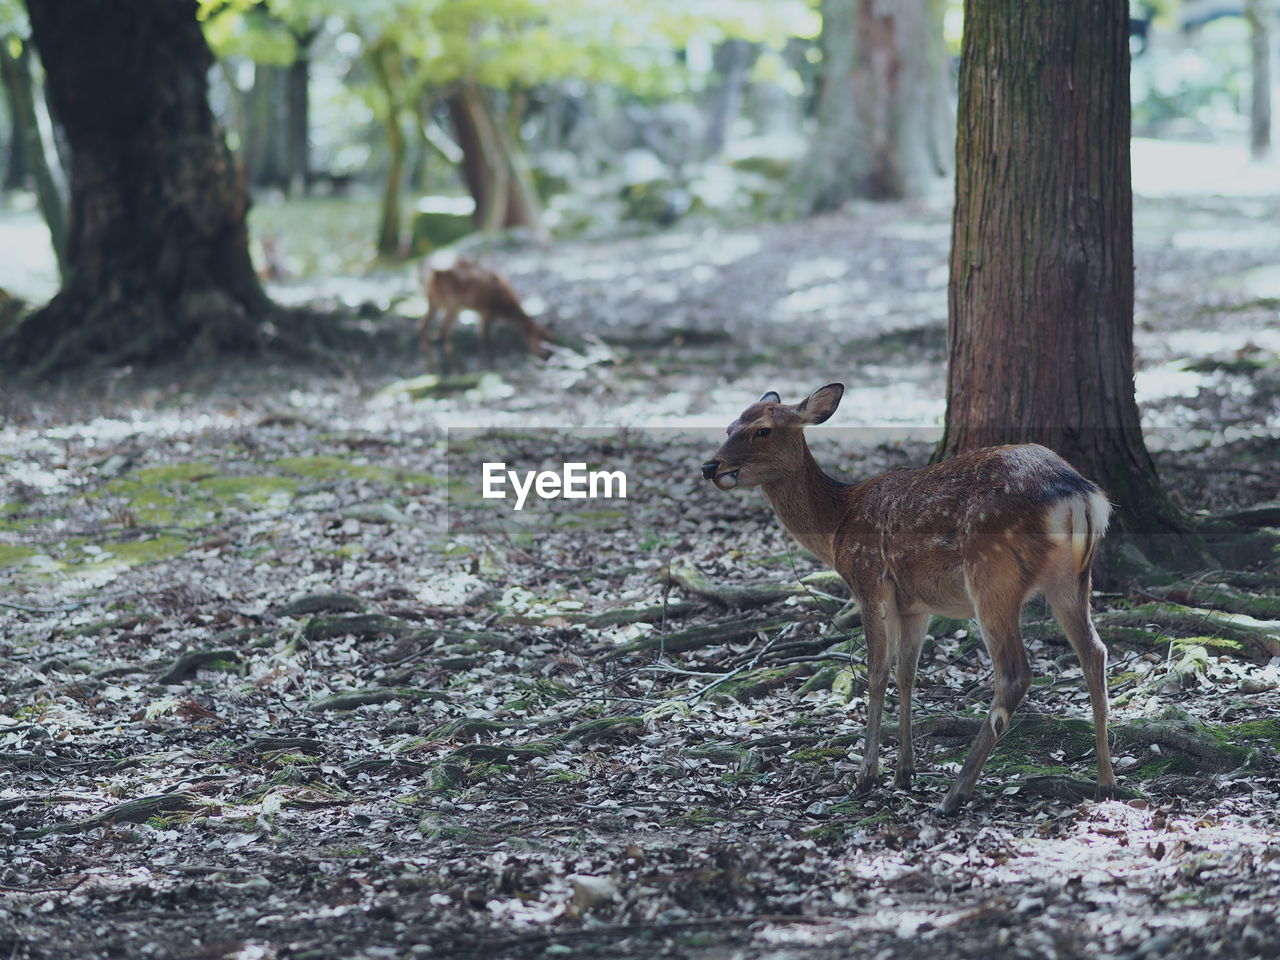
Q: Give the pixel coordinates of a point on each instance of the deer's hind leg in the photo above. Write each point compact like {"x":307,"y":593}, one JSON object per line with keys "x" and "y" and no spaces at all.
{"x":911,"y":631}
{"x":998,"y":593}
{"x":426,"y":327}
{"x":449,"y":364}
{"x":1068,"y":596}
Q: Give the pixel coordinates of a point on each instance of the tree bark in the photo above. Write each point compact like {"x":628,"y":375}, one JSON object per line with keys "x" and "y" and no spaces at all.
{"x":1040,"y":304}
{"x":158,"y":251}
{"x":50,"y":194}
{"x":881,"y":111}
{"x":1259,"y":14}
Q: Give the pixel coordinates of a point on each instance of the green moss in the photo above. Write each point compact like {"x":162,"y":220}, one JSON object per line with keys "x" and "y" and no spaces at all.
{"x":1156,"y":768}
{"x":12,"y":553}
{"x":837,"y":831}
{"x":1221,"y":643}
{"x":820,"y":755}
{"x":255,"y":489}
{"x":347,"y":853}
{"x":1030,"y":737}
{"x":698,"y":816}
{"x":134,"y":552}
{"x":1253,"y":730}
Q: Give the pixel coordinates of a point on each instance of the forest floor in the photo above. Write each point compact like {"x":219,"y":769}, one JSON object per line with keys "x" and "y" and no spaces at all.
{"x":278,"y":684}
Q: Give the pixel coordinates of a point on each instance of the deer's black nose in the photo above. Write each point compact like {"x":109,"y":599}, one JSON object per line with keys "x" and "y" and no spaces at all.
{"x":709,"y":469}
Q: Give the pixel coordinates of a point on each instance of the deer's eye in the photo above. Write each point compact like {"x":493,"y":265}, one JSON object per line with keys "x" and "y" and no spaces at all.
{"x":762,"y":432}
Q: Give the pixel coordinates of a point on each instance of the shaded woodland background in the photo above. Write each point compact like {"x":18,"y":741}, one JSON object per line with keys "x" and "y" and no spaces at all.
{"x":278,"y":685}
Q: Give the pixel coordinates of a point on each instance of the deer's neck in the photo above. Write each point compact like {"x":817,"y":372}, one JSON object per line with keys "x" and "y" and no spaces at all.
{"x":808,"y":504}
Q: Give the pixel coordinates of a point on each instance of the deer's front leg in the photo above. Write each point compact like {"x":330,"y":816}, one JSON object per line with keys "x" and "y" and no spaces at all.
{"x":878,"y":632}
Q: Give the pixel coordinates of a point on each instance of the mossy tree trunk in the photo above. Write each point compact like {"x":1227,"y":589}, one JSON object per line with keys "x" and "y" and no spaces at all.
{"x":158,"y":250}
{"x":1041,"y":291}
{"x":883,"y":112}
{"x":386,"y":63}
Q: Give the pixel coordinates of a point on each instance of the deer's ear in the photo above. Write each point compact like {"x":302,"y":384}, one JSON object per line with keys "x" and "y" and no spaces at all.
{"x":820,"y":404}
{"x":770,"y":397}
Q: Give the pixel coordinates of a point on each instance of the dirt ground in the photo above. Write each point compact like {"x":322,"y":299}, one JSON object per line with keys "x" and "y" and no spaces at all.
{"x":277,"y":685}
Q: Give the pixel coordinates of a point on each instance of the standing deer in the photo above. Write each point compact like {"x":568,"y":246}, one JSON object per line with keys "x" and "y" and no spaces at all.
{"x":468,"y":285}
{"x":975,"y":535}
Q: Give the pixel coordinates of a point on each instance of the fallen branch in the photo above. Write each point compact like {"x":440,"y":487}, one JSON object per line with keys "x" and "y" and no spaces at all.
{"x":704,"y":635}
{"x":730,"y":595}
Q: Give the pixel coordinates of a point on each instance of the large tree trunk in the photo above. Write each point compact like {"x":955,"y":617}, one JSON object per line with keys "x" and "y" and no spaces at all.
{"x":1260,"y":13}
{"x":1041,"y":292}
{"x":50,"y":192}
{"x":878,"y":108}
{"x":158,"y":251}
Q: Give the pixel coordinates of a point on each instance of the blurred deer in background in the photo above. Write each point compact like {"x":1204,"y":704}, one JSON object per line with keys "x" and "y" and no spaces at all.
{"x":468,"y":285}
{"x":975,"y":535}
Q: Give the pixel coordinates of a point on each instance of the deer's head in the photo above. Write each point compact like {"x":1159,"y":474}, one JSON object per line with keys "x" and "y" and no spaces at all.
{"x":766,"y":443}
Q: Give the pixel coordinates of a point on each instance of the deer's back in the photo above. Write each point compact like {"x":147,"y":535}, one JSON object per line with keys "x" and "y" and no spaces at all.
{"x":469,"y":286}
{"x":922,"y":524}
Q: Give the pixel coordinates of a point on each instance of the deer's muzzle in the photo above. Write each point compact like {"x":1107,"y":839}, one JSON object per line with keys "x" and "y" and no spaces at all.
{"x":725,"y":481}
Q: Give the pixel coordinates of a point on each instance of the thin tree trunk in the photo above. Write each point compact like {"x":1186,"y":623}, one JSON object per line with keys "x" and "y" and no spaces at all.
{"x":388,"y":71}
{"x":1041,"y":292}
{"x":734,"y":58}
{"x":158,"y":251}
{"x":1259,"y":14}
{"x":298,"y":135}
{"x":50,"y":194}
{"x":16,"y":167}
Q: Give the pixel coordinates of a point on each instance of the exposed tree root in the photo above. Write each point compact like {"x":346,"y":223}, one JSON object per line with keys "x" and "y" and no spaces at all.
{"x":321,"y":603}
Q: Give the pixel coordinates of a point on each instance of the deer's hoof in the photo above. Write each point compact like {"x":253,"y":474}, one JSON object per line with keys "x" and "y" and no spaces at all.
{"x":902,"y":779}
{"x":949,"y":806}
{"x":1105,"y":791}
